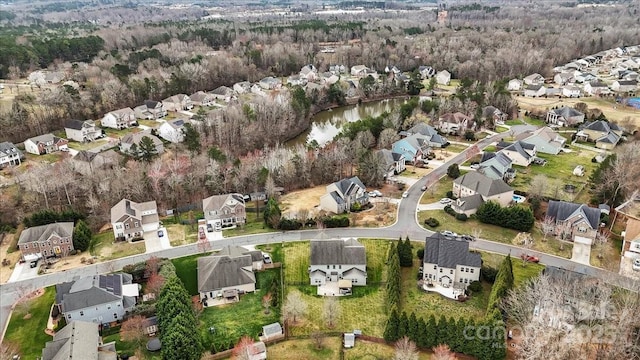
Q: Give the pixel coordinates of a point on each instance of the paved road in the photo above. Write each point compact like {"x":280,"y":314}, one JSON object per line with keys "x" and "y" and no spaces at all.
{"x":406,"y":225}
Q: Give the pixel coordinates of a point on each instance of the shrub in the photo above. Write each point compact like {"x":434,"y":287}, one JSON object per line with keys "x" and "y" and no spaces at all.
{"x":475,"y":287}
{"x":461,"y":217}
{"x":488,"y":274}
{"x":449,"y":210}
{"x":336,"y":221}
{"x":420,"y":253}
{"x":73,"y":252}
{"x":355,"y":207}
{"x":432,"y":222}
{"x":289,"y":224}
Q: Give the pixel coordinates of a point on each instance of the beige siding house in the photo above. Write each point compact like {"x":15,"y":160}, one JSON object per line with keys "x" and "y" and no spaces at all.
{"x":473,"y":189}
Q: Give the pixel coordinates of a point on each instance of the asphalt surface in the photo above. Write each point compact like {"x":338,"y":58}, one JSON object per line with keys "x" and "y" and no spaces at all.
{"x":406,"y":225}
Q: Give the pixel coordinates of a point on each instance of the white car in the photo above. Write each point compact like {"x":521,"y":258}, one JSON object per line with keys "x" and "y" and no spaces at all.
{"x":636,"y":264}
{"x":448,"y":233}
{"x":405,"y":194}
{"x":372,"y":194}
{"x":445,"y":201}
{"x":378,"y":193}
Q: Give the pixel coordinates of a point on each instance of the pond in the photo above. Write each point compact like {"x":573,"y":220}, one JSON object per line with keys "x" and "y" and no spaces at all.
{"x":325,"y":125}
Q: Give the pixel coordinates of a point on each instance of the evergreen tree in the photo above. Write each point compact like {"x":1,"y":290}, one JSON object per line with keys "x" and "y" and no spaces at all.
{"x":191,"y":138}
{"x":272,"y":213}
{"x":393,"y":282}
{"x":403,"y":325}
{"x":421,"y":334}
{"x":391,"y":330}
{"x":442,"y":331}
{"x":147,"y":150}
{"x":453,"y":171}
{"x":503,"y":283}
{"x":412,"y":328}
{"x":81,"y":236}
{"x":431,"y":333}
{"x":404,"y":253}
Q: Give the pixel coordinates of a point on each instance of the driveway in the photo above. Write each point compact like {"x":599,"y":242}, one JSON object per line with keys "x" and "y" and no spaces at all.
{"x":154,"y":243}
{"x":432,"y":206}
{"x":581,"y":251}
{"x":23,"y":271}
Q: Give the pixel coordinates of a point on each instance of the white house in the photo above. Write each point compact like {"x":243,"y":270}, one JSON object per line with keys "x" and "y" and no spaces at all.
{"x":534,"y":79}
{"x":270,"y":83}
{"x":443,"y":77}
{"x":520,"y":153}
{"x":571,"y":91}
{"x":121,"y":119}
{"x":514,"y":85}
{"x":624,"y":85}
{"x":202,"y":98}
{"x":563,"y":78}
{"x":9,"y":155}
{"x":426,"y":72}
{"x":565,"y":116}
{"x":333,"y":260}
{"x":99,"y":299}
{"x":173,"y":130}
{"x":242,"y":87}
{"x":534,"y":91}
{"x":594,"y":88}
{"x":359,"y":71}
{"x":82,"y":131}
{"x":309,"y":72}
{"x":449,"y":263}
{"x":130,"y":220}
{"x":341,"y":195}
{"x":223,"y":278}
{"x":45,"y":144}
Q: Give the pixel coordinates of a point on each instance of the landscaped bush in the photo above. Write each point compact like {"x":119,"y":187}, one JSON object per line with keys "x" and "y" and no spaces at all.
{"x":336,"y":221}
{"x":420,"y":253}
{"x":461,"y":217}
{"x":355,"y":207}
{"x":514,"y":217}
{"x":475,"y":287}
{"x":289,"y":224}
{"x":449,"y":210}
{"x":488,"y":274}
{"x":432,"y":222}
{"x":450,"y":194}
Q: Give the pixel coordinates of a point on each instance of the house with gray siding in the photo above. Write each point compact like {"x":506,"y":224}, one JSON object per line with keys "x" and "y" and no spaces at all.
{"x":130,"y":220}
{"x":497,"y":166}
{"x":449,"y":263}
{"x":473,"y":189}
{"x":341,"y":195}
{"x":334,"y":260}
{"x":223,"y":278}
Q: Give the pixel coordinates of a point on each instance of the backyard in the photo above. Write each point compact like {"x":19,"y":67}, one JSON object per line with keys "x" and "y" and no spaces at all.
{"x":187,"y":271}
{"x":129,"y":348}
{"x":27,"y":325}
{"x":306,"y":349}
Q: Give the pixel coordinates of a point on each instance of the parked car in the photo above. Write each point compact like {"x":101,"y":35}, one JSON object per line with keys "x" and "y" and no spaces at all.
{"x":160,"y":233}
{"x":209,"y":228}
{"x":372,"y":194}
{"x":467,"y":237}
{"x":636,"y":264}
{"x":475,"y":166}
{"x":377,"y":192}
{"x":201,"y":233}
{"x":405,"y":194}
{"x":266,"y":258}
{"x":445,"y":201}
{"x":529,"y":258}
{"x":448,"y":233}
{"x":423,"y":188}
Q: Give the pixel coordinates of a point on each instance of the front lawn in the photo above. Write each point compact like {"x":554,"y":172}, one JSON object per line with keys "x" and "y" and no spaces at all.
{"x":365,"y":350}
{"x":187,"y":271}
{"x":437,"y":191}
{"x":456,"y":148}
{"x":501,"y":129}
{"x":104,"y":246}
{"x":522,"y":272}
{"x":306,"y":349}
{"x":87,"y":145}
{"x":245,"y":317}
{"x":252,"y":226}
{"x":26,"y":332}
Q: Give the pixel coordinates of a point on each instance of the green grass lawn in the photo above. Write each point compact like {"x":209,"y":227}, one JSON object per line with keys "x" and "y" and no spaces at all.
{"x":150,"y":123}
{"x":253,"y":226}
{"x":364,"y":350}
{"x":513,"y":122}
{"x":521,"y":272}
{"x":114,"y":133}
{"x":86,"y":146}
{"x":129,"y":348}
{"x":103,"y":246}
{"x":501,"y":129}
{"x":187,"y":271}
{"x":534,"y":122}
{"x":490,"y":148}
{"x":45,"y":159}
{"x":306,"y":349}
{"x":437,"y":191}
{"x":27,"y":334}
{"x":245,"y":317}
{"x":456,"y":148}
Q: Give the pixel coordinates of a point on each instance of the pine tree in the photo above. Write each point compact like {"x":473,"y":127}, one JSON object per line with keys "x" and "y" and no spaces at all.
{"x":503,"y":283}
{"x":81,"y":236}
{"x":147,"y":150}
{"x":412,"y":328}
{"x":404,"y":253}
{"x":403,"y":325}
{"x":442,"y":331}
{"x":391,"y":330}
{"x":421,"y":334}
{"x":431,"y":333}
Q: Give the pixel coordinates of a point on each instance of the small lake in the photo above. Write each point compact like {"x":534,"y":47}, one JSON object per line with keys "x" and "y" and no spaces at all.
{"x":325,"y":125}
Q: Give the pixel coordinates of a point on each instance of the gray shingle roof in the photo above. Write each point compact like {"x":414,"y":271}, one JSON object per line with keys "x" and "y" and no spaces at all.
{"x":562,"y":210}
{"x":235,"y":251}
{"x":8,"y":148}
{"x":482,"y":184}
{"x":520,"y":148}
{"x":449,"y":253}
{"x":43,"y":232}
{"x":350,"y":185}
{"x":272,"y":329}
{"x":77,"y":340}
{"x":567,"y":112}
{"x":469,"y":202}
{"x":129,"y":208}
{"x":93,"y":290}
{"x":337,"y":252}
{"x":217,"y":272}
{"x":74,"y":124}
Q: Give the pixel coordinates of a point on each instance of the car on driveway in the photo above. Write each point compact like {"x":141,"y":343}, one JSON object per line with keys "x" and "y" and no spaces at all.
{"x":160,"y":233}
{"x":266,"y":258}
{"x":405,"y":194}
{"x":636,"y":264}
{"x":448,"y":233}
{"x":377,"y":192}
{"x":445,"y":201}
{"x":529,"y":258}
{"x":372,"y":194}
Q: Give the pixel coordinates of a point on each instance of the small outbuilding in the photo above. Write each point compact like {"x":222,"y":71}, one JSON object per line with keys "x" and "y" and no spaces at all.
{"x":349,"y":340}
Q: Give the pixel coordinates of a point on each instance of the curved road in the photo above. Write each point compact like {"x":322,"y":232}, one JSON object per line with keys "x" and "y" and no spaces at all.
{"x":406,"y":225}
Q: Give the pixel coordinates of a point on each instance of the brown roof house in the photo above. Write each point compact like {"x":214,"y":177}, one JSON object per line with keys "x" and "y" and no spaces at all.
{"x":79,"y":340}
{"x":455,"y":123}
{"x":222,"y":278}
{"x":630,"y":209}
{"x":574,"y":221}
{"x":131,"y":220}
{"x":224,"y":211}
{"x":46,"y":240}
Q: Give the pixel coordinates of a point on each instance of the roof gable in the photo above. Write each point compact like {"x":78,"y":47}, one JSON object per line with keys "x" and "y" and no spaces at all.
{"x":449,"y":253}
{"x":218,"y":272}
{"x":562,"y":211}
{"x":338,"y":252}
{"x":482,"y":184}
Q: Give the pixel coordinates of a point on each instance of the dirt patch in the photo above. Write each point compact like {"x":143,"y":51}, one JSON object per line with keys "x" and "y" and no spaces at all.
{"x":307,"y":200}
{"x":69,"y":262}
{"x":382,"y":214}
{"x":11,"y":259}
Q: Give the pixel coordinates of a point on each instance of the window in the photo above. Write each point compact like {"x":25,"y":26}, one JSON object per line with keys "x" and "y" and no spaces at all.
{"x":69,"y":316}
{"x":460,"y":280}
{"x":115,"y":315}
{"x":327,"y":267}
{"x":45,"y":253}
{"x":472,"y":270}
{"x":339,"y":266}
{"x":334,"y":267}
{"x":465,"y":281}
{"x":451,"y":271}
{"x":126,"y":226}
{"x":582,"y":229}
{"x":466,"y":270}
{"x":435,"y":267}
{"x":81,"y":313}
{"x":440,"y":270}
{"x":25,"y":246}
{"x":136,"y":224}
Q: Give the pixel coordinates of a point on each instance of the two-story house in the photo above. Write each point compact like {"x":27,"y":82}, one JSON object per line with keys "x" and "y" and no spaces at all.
{"x":79,"y":340}
{"x":455,"y":123}
{"x":224,"y":211}
{"x":173,"y":130}
{"x":100,"y":299}
{"x":514,"y":85}
{"x":45,"y":144}
{"x":359,"y":71}
{"x":177,"y":102}
{"x":565,"y":116}
{"x":394,"y":162}
{"x":333,"y":260}
{"x":473,"y":189}
{"x":121,"y":119}
{"x":130,"y":220}
{"x":605,"y":135}
{"x":434,"y":139}
{"x":449,"y":263}
{"x":150,"y":110}
{"x":82,"y":131}
{"x":47,"y":240}
{"x":534,"y":79}
{"x":9,"y":155}
{"x":535,"y":90}
{"x":86,"y":162}
{"x":519,"y":152}
{"x":341,"y":195}
{"x":573,"y":220}
{"x":414,"y":148}
{"x":223,"y":278}
{"x":497,"y":166}
{"x":129,"y":140}
{"x":202,"y":98}
{"x":545,"y":140}
{"x":596,"y":88}
{"x":622,"y":86}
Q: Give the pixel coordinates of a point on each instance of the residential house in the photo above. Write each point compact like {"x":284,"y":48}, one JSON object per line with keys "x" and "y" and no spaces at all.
{"x":122,"y":118}
{"x":82,"y":131}
{"x":360,"y":71}
{"x":443,"y":77}
{"x":414,"y":148}
{"x":333,"y":260}
{"x":520,"y":153}
{"x":497,"y":166}
{"x":100,"y":299}
{"x":583,"y":77}
{"x":630,"y":209}
{"x":546,"y":140}
{"x":514,"y":85}
{"x":493,"y":115}
{"x":394,"y":162}
{"x":563,"y":78}
{"x":257,"y":258}
{"x":449,"y":263}
{"x":535,"y":90}
{"x":565,"y":116}
{"x":571,"y":91}
{"x":296,"y":80}
{"x":177,"y":102}
{"x":270,"y":83}
{"x":309,"y":72}
{"x":242,"y":87}
{"x":223,"y":278}
{"x":86,"y":162}
{"x":342,"y":195}
{"x":272,"y":332}
{"x":624,"y":85}
{"x":223,"y":93}
{"x":605,"y":135}
{"x":202,"y":98}
{"x":47,"y":240}
{"x":473,"y":189}
{"x":337,"y":69}
{"x":551,"y":92}
{"x":392,"y":69}
{"x":434,"y":139}
{"x":426,"y":72}
{"x":130,"y":220}
{"x":10,"y":155}
{"x":328,"y":78}
{"x":79,"y":340}
{"x":534,"y":79}
{"x":224,"y":211}
{"x":596,"y":88}
{"x":45,"y":144}
{"x":455,"y":123}
{"x":129,"y":140}
{"x":574,"y":220}
{"x":173,"y":130}
{"x":150,"y":110}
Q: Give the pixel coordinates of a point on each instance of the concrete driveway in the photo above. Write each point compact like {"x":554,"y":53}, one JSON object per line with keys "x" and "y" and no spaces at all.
{"x":581,"y":253}
{"x":432,"y":206}
{"x":23,"y":271}
{"x":153,"y":242}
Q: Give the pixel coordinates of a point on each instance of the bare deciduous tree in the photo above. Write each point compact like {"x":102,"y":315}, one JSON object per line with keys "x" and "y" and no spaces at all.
{"x":318,"y":339}
{"x":537,"y":187}
{"x":331,"y":311}
{"x":442,"y":352}
{"x":547,"y":226}
{"x":405,"y":349}
{"x":294,"y":307}
{"x":133,"y":330}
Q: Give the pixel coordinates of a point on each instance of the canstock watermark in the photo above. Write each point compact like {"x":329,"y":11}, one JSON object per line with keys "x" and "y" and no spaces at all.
{"x":496,"y":333}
